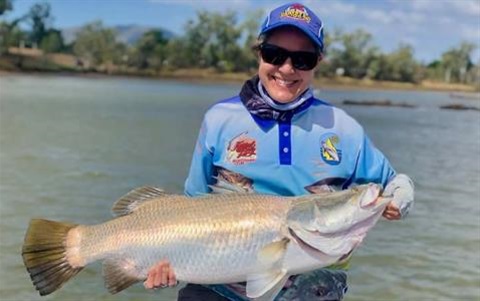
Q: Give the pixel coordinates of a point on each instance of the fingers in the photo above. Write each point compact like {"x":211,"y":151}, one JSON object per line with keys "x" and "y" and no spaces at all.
{"x":172,"y":280}
{"x":392,"y":212}
{"x":160,"y":275}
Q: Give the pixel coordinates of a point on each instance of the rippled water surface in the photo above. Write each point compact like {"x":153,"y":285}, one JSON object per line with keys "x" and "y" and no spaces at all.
{"x":70,"y":146}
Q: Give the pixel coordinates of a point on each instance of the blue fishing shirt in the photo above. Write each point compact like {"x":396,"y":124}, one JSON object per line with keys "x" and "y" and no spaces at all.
{"x":316,"y":147}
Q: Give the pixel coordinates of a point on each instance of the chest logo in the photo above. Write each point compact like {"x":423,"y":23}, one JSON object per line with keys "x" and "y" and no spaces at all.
{"x":330,"y":149}
{"x":242,"y":149}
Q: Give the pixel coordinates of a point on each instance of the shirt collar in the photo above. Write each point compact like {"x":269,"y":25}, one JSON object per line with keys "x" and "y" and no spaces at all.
{"x":265,"y":111}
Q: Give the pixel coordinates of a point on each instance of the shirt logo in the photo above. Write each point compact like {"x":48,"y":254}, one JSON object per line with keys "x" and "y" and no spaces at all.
{"x":296,"y":11}
{"x":329,"y":149}
{"x":242,"y":149}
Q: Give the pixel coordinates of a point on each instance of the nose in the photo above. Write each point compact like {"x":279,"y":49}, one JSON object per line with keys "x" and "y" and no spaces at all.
{"x":287,"y":67}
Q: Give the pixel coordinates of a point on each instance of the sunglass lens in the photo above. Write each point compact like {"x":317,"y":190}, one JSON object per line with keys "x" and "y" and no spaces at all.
{"x":301,"y":60}
{"x":273,"y":55}
{"x":304,"y":60}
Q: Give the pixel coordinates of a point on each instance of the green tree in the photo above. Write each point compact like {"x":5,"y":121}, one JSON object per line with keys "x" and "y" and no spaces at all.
{"x":212,"y":41}
{"x":52,"y":41}
{"x":456,"y":62}
{"x":10,"y":36}
{"x":40,"y":20}
{"x":328,"y":66}
{"x":10,"y":33}
{"x":96,"y":44}
{"x":248,"y":60}
{"x":176,"y":54}
{"x":151,"y":50}
{"x":355,"y":53}
{"x":400,"y":65}
{"x":5,"y":5}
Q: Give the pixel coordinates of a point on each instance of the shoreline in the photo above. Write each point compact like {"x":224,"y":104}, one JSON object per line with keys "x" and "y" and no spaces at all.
{"x":208,"y":76}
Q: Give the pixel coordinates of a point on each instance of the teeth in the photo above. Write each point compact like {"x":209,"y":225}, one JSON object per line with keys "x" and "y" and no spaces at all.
{"x":284,"y":82}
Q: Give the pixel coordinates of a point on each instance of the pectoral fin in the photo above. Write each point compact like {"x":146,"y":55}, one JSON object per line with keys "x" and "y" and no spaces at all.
{"x":265,"y":284}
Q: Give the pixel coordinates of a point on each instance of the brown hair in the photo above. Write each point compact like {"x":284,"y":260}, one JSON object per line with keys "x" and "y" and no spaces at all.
{"x":263,"y":38}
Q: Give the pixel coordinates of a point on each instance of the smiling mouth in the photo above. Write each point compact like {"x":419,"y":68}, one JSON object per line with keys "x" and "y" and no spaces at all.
{"x":284,"y":83}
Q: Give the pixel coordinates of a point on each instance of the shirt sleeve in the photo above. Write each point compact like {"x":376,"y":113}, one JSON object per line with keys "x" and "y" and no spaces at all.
{"x":401,"y":189}
{"x":201,"y":167}
{"x":372,"y":166}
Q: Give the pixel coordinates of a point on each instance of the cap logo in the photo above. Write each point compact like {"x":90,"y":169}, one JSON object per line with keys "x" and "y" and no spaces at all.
{"x":296,"y":11}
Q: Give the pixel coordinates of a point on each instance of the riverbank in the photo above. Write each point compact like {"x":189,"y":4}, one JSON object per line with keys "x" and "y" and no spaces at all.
{"x":45,"y":67}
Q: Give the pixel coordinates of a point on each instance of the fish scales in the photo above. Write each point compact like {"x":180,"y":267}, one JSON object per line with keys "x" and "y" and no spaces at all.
{"x":200,"y":237}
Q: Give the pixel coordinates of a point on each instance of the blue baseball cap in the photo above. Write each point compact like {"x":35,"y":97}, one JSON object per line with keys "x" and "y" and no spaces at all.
{"x":296,"y":15}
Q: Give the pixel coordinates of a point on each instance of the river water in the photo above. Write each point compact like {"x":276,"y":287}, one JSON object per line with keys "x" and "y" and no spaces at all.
{"x":70,"y":146}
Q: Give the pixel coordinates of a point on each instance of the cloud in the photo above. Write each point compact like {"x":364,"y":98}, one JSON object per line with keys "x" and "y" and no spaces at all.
{"x":378,"y":16}
{"x":332,"y":8}
{"x":467,"y":7}
{"x":470,"y":33}
{"x":460,"y":7}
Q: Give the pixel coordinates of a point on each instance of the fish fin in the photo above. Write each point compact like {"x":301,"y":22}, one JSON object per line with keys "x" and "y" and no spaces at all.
{"x":264,"y":283}
{"x":119,"y":274}
{"x":266,"y":286}
{"x":222,"y":186}
{"x":132,"y":200}
{"x":44,"y":255}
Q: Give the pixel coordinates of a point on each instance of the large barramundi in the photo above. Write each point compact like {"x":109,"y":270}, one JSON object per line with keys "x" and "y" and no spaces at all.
{"x":216,"y":238}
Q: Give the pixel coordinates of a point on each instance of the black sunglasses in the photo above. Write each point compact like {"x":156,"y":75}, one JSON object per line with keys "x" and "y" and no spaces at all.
{"x":301,"y":60}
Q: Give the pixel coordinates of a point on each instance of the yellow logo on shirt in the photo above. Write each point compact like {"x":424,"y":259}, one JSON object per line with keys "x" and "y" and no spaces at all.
{"x":329,"y":149}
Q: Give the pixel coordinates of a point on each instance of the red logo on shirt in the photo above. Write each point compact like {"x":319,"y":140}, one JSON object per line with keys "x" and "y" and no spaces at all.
{"x":242,"y":149}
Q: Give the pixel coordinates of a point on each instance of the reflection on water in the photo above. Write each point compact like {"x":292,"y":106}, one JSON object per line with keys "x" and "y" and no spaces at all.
{"x":70,"y":146}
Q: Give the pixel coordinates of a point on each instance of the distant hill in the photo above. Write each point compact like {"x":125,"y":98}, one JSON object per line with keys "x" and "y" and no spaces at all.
{"x":128,"y":34}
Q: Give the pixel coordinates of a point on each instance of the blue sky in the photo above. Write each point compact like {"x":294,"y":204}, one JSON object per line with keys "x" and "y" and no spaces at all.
{"x":430,"y":26}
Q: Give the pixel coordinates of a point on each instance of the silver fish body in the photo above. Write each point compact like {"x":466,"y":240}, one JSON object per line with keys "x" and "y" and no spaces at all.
{"x":210,"y":239}
{"x":217,"y":238}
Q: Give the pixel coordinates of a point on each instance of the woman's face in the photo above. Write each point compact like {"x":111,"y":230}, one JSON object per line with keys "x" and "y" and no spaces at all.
{"x":284,"y":83}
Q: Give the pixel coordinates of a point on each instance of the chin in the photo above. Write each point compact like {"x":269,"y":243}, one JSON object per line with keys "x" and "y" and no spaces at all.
{"x":282,"y":98}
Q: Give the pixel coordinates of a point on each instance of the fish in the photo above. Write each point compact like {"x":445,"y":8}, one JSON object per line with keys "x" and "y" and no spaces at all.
{"x":226,"y":236}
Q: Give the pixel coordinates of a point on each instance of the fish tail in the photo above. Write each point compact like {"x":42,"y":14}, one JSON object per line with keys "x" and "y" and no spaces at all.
{"x":44,"y":254}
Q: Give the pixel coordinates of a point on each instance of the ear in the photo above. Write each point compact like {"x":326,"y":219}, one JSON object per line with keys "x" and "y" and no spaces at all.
{"x":320,"y":57}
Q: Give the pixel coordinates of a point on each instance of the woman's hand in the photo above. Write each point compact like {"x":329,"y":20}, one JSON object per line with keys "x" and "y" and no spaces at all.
{"x":160,"y":275}
{"x":392,"y":212}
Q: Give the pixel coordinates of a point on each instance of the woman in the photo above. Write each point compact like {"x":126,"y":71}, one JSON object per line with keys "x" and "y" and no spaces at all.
{"x":275,"y":137}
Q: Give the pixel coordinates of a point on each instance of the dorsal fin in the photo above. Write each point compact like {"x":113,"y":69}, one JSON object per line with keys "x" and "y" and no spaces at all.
{"x":129,"y":202}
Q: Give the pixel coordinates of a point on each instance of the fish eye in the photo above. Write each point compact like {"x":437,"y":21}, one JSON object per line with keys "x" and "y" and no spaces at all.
{"x":320,"y":291}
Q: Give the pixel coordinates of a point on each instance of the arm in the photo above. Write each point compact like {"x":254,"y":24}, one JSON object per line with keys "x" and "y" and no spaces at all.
{"x":401,"y":188}
{"x":201,"y":168}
